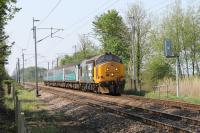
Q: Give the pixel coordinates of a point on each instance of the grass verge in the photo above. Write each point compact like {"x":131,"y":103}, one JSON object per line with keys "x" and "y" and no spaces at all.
{"x":170,"y":96}
{"x":34,"y":117}
{"x":27,"y":98}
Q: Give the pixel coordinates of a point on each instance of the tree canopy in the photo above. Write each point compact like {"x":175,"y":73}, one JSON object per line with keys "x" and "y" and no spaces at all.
{"x":86,"y":50}
{"x":7,"y":11}
{"x":29,"y":74}
{"x":113,"y":34}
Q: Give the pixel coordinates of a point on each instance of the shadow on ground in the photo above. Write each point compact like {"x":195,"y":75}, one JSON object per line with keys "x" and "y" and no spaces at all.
{"x":74,"y":118}
{"x":134,"y":92}
{"x":7,"y":116}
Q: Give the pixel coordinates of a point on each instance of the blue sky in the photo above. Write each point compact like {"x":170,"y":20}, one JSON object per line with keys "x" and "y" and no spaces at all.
{"x":74,"y":16}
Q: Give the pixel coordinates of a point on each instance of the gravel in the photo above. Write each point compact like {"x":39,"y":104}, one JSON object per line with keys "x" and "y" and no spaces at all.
{"x":72,"y":116}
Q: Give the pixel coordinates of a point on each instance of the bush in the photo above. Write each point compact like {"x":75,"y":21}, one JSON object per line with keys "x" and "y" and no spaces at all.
{"x":157,"y":69}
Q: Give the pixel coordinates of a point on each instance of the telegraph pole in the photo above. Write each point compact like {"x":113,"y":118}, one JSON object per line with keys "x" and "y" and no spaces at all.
{"x":133,"y":53}
{"x":35,"y":41}
{"x":18,"y":66}
{"x":23,"y":66}
{"x":48,"y":65}
{"x":75,"y":52}
{"x":17,"y":73}
{"x":52,"y":64}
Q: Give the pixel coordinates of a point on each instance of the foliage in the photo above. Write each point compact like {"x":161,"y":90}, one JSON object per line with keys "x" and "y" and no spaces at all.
{"x":7,"y":11}
{"x":113,"y":34}
{"x":157,"y":69}
{"x":87,"y":49}
{"x":29,"y":74}
{"x":189,"y":86}
{"x":179,"y":24}
{"x":182,"y":27}
{"x":138,"y":17}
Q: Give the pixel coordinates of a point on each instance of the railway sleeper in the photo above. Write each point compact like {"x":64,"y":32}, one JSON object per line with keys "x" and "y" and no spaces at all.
{"x":144,"y":120}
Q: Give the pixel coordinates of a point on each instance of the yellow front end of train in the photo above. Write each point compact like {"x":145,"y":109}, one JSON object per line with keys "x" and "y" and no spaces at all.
{"x":109,"y":73}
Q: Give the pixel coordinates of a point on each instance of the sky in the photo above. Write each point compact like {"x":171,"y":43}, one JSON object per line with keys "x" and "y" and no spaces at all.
{"x":74,"y":16}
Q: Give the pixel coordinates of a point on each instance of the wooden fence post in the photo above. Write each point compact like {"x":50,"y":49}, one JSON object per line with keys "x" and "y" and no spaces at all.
{"x":9,"y":88}
{"x":16,"y":109}
{"x":13,"y":92}
{"x":18,"y":117}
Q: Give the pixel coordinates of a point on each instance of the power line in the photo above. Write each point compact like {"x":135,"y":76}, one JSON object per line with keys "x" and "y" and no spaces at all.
{"x":88,"y":15}
{"x":51,"y":11}
{"x":82,"y":25}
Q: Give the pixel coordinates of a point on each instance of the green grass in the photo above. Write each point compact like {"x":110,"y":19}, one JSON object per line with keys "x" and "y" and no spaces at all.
{"x":27,"y":98}
{"x":164,"y":96}
{"x":29,"y":104}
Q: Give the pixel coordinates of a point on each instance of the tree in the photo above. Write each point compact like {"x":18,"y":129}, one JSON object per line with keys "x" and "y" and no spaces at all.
{"x":7,"y":11}
{"x":87,"y":47}
{"x":86,"y":50}
{"x":142,"y":27}
{"x":113,"y":34}
{"x":29,"y":74}
{"x":157,"y":69}
{"x":67,"y":60}
{"x":182,"y":27}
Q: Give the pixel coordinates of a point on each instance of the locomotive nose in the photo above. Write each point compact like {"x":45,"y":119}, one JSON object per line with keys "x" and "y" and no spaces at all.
{"x":113,"y":71}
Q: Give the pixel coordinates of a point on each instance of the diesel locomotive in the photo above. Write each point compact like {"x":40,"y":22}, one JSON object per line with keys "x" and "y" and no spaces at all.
{"x":100,"y":74}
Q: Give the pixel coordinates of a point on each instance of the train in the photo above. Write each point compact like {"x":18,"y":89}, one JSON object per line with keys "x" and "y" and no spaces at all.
{"x":100,"y":74}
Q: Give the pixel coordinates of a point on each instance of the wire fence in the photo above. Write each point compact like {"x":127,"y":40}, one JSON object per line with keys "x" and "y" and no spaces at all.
{"x":163,"y":90}
{"x":19,"y":115}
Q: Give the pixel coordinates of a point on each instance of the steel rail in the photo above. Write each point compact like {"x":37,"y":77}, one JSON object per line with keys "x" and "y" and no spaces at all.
{"x":169,"y":103}
{"x":166,"y":103}
{"x":148,"y":121}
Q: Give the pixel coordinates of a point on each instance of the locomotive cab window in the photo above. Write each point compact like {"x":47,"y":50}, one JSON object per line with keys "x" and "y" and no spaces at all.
{"x":108,"y":57}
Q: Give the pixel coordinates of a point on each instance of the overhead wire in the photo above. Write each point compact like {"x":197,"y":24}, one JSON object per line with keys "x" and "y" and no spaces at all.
{"x":87,"y":16}
{"x":51,"y":11}
{"x":81,"y":26}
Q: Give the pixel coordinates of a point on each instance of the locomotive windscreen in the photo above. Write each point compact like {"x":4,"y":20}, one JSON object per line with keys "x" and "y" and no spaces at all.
{"x":108,"y":57}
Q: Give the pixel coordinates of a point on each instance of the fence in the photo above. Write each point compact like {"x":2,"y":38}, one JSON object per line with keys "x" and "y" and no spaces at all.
{"x":19,"y":116}
{"x":161,"y":89}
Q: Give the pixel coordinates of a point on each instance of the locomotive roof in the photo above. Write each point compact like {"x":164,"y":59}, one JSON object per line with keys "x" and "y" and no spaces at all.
{"x":74,"y":64}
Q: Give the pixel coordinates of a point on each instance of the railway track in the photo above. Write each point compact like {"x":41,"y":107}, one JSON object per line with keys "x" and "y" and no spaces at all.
{"x":167,"y":103}
{"x":164,"y":121}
